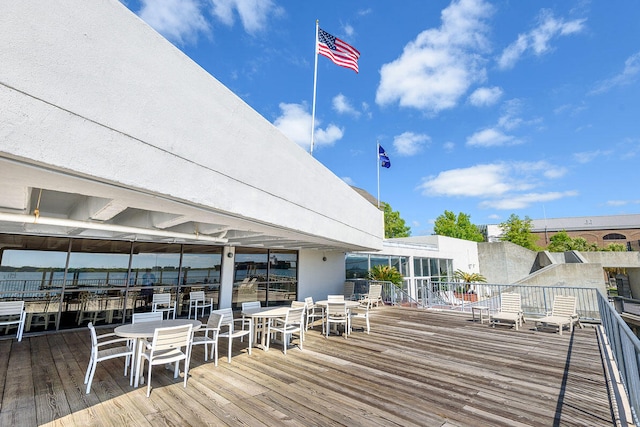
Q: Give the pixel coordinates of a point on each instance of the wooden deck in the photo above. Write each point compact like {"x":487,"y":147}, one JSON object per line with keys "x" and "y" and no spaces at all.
{"x":416,"y":368}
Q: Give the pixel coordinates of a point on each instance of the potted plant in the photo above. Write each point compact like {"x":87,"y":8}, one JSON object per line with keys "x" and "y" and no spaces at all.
{"x":467,"y":279}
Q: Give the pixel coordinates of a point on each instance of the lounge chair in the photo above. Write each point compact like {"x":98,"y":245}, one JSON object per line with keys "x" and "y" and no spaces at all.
{"x":563,"y":313}
{"x":510,"y":311}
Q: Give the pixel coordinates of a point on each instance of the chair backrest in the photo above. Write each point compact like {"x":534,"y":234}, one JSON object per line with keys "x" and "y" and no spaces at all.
{"x":10,"y":308}
{"x":510,"y":302}
{"x":251,"y":305}
{"x":151,"y":316}
{"x":375,"y":291}
{"x":336,"y":308}
{"x":215,"y":321}
{"x":227,"y":317}
{"x":295,"y":315}
{"x":162,"y":298}
{"x":196,"y":296}
{"x":171,"y":337}
{"x":335,"y":298}
{"x":94,"y":337}
{"x":309,"y":302}
{"x":296,"y":304}
{"x":564,"y":306}
{"x":349,"y":288}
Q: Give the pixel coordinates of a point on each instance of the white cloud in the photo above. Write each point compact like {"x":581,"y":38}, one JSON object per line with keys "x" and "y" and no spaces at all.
{"x":622,"y":202}
{"x":485,"y":96}
{"x":538,"y":40}
{"x":295,"y":123}
{"x":253,"y":13}
{"x":626,"y":77}
{"x":504,"y":185}
{"x":448,"y":146}
{"x":179,"y":21}
{"x":409,"y":143}
{"x":589,"y":156}
{"x":491,"y":137}
{"x":182,"y":21}
{"x":439,"y":66}
{"x":475,"y":181}
{"x":525,"y":200}
{"x":342,"y":105}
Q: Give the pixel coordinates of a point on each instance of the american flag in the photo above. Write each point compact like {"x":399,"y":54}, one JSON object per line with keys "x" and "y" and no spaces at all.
{"x":339,"y":52}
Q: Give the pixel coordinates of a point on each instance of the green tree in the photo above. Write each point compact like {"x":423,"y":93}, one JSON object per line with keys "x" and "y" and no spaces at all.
{"x":459,"y":227}
{"x":394,"y":226}
{"x":561,"y":242}
{"x":518,"y":231}
{"x":385,"y":273}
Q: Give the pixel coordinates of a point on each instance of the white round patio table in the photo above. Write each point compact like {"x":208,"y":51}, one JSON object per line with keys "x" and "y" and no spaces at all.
{"x":140,"y":331}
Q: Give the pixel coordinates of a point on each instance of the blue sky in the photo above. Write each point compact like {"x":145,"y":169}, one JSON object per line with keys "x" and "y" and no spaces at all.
{"x":484,"y":107}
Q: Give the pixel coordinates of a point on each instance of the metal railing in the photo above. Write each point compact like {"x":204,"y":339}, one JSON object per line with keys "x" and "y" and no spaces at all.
{"x":625,"y":347}
{"x":536,"y":300}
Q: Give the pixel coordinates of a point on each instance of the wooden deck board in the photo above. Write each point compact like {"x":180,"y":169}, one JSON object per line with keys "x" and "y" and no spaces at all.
{"x":416,"y":368}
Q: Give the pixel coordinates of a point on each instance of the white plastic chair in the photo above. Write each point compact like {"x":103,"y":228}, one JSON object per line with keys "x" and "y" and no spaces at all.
{"x":298,"y":304}
{"x":197,"y":300}
{"x":150,"y":316}
{"x":247,"y":307}
{"x":337,"y":313}
{"x":12,"y":314}
{"x":165,"y":348}
{"x":288,"y":326}
{"x":162,"y":302}
{"x":229,"y":322}
{"x":105,"y":349}
{"x":209,"y":336}
{"x":361,"y":313}
{"x":313,"y":312}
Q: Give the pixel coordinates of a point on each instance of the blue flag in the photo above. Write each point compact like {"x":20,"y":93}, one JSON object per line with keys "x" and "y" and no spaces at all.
{"x":384,"y":159}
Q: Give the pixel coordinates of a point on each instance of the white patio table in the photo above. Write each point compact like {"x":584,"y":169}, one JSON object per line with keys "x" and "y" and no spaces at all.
{"x":349,"y":303}
{"x":138,"y":332}
{"x":266,"y":314}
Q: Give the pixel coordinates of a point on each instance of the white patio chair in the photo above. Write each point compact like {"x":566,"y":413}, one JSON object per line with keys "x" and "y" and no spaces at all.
{"x":163,"y":303}
{"x":229,"y":322}
{"x":349,"y":288}
{"x":12,"y":314}
{"x":149,"y":316}
{"x":361,"y":313}
{"x":288,"y":326}
{"x":167,"y":347}
{"x":374,"y":295}
{"x":313,"y":312}
{"x":197,"y":300}
{"x":563,"y":313}
{"x":246,"y":320}
{"x":105,"y":347}
{"x":209,"y":336}
{"x":337,"y":314}
{"x":298,"y":304}
{"x":510,"y":310}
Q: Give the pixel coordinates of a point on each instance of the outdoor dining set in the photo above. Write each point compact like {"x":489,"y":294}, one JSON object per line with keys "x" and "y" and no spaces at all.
{"x":158,"y":338}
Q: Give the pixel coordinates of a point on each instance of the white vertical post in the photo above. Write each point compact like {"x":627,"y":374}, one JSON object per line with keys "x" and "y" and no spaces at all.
{"x":315,"y":80}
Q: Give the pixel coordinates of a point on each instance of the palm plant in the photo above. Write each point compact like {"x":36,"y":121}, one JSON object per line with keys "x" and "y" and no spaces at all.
{"x":468,"y":278}
{"x":385,"y":273}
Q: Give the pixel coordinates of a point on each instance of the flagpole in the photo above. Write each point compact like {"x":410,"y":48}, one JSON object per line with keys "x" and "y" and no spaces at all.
{"x":315,"y":80}
{"x":378,"y":169}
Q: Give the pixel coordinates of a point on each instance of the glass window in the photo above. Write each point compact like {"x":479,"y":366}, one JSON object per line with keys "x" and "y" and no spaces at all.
{"x":357,"y":266}
{"x":270,"y":277}
{"x":201,"y":266}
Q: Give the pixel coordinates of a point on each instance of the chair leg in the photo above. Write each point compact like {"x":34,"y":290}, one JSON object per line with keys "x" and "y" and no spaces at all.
{"x":230,"y":345}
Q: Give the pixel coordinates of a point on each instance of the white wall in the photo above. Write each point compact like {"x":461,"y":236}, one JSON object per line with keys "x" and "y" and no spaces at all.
{"x":88,"y":87}
{"x":318,"y":278}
